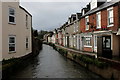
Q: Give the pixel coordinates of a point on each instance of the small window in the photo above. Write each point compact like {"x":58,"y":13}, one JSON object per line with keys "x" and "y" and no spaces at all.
{"x":86,"y":22}
{"x":27,"y":43}
{"x":87,"y":42}
{"x":12,"y":43}
{"x":110,"y":17}
{"x":12,"y":15}
{"x":27,"y":21}
{"x":98,"y":19}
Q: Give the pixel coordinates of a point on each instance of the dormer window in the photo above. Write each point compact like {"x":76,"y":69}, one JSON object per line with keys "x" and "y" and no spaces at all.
{"x":12,"y":15}
{"x":83,"y":12}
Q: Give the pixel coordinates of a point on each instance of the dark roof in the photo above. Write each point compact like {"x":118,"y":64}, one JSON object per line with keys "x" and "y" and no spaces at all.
{"x":25,"y":10}
{"x":103,"y":6}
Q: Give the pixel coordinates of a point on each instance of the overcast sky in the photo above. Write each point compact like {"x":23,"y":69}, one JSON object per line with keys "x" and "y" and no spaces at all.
{"x":51,"y":15}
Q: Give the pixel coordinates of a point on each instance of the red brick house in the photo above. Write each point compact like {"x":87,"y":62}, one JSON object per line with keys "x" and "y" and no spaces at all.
{"x":99,"y":27}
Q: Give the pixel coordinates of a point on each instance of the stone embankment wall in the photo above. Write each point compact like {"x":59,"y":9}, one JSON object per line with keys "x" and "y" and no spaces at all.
{"x":103,"y":67}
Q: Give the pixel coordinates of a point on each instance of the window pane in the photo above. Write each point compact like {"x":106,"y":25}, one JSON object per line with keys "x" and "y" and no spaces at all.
{"x":11,"y":40}
{"x":107,"y":43}
{"x":11,"y":47}
{"x":11,"y":11}
{"x":11,"y":19}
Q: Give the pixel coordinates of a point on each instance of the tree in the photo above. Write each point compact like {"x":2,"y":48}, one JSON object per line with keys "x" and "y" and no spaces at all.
{"x":35,"y":33}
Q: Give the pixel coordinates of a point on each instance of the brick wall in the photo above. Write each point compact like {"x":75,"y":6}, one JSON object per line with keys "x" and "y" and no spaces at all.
{"x":104,"y":14}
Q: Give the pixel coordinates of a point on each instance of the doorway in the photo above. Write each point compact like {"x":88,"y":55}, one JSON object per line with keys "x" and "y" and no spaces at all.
{"x":106,"y":47}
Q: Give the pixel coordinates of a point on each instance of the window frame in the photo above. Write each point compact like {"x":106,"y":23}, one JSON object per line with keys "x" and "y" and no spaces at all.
{"x":85,"y":45}
{"x":26,"y":21}
{"x":98,"y":20}
{"x":13,"y":36}
{"x":27,"y":43}
{"x":108,"y":17}
{"x":9,"y":15}
{"x":86,"y":25}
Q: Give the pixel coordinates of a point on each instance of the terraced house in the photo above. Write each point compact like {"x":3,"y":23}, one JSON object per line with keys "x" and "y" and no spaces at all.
{"x":95,"y":30}
{"x":15,"y":36}
{"x":100,"y":27}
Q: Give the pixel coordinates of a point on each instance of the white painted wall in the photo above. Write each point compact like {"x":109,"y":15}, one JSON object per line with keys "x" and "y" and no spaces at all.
{"x":0,"y":31}
{"x":19,"y":30}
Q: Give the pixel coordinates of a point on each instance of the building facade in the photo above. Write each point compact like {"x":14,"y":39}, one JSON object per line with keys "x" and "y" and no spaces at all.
{"x":16,"y":30}
{"x":99,"y":27}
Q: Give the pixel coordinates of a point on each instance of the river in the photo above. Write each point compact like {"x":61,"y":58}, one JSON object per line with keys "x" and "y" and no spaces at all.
{"x":50,"y":64}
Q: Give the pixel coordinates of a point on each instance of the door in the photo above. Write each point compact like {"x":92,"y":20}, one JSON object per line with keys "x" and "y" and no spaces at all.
{"x":106,"y":47}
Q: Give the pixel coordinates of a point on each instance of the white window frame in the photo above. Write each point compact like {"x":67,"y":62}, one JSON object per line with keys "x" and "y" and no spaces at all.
{"x":98,"y":20}
{"x":112,"y":24}
{"x":85,"y":41}
{"x":11,"y":16}
{"x":11,"y":43}
{"x":86,"y":21}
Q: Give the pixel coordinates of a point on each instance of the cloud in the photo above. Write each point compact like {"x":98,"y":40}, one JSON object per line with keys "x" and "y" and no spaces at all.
{"x":50,"y":15}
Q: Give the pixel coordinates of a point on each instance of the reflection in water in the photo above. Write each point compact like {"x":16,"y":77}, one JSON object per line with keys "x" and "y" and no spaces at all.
{"x":50,"y":64}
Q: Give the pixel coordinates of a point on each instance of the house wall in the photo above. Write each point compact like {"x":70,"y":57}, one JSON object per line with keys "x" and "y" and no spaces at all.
{"x":0,"y":31}
{"x":116,"y":46}
{"x":19,"y":30}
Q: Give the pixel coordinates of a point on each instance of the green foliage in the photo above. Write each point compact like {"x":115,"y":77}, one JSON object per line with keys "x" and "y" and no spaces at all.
{"x":35,"y":33}
{"x":41,"y":34}
{"x":95,"y":62}
{"x":74,"y":56}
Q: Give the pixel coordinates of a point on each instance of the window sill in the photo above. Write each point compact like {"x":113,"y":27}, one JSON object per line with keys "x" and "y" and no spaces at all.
{"x":12,"y":52}
{"x":98,"y":28}
{"x":88,"y":46}
{"x":86,"y":29}
{"x":110,"y":25}
{"x":12,"y":23}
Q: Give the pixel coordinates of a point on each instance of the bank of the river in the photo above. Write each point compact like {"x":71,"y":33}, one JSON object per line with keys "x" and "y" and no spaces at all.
{"x":105,"y":68}
{"x":16,"y":64}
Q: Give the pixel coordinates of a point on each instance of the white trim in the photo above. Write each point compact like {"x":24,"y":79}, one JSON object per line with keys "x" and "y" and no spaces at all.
{"x":109,"y":8}
{"x":108,"y":24}
{"x":98,"y":27}
{"x":86,"y":26}
{"x":87,"y":46}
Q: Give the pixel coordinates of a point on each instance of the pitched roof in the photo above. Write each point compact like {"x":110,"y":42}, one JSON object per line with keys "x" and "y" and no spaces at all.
{"x":103,"y":6}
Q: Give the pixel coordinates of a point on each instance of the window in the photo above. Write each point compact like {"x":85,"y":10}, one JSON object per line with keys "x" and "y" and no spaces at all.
{"x":110,"y":17}
{"x":95,"y":41}
{"x":26,"y":43}
{"x":98,"y":19}
{"x":87,"y":42}
{"x":77,"y":28}
{"x":12,"y":43}
{"x":12,"y":15}
{"x":86,"y":22}
{"x":27,"y":21}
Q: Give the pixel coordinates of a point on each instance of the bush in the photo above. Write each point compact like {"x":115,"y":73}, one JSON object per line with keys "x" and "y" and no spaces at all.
{"x":95,"y":62}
